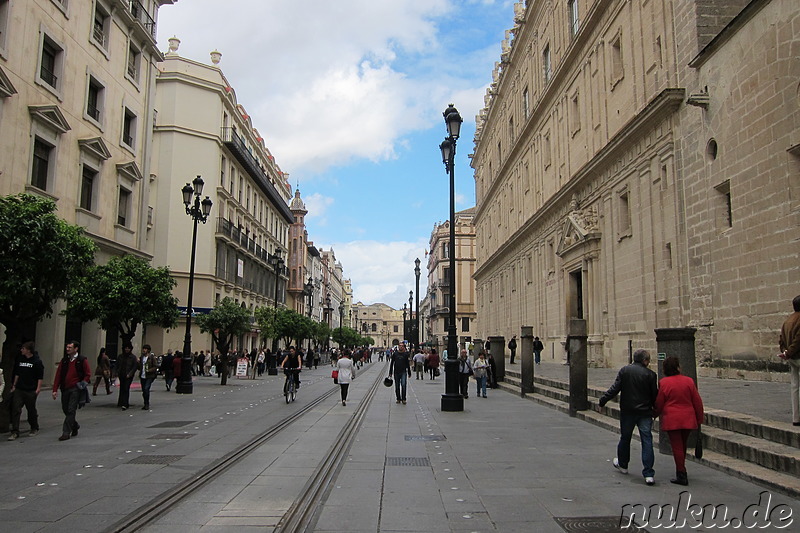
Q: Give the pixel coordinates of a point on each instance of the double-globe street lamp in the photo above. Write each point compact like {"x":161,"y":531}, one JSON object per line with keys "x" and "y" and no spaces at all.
{"x":308,"y":290}
{"x":416,"y":318}
{"x":277,"y":262}
{"x":341,"y":321}
{"x":199,"y":211}
{"x":411,"y":318}
{"x":451,"y":399}
{"x":405,"y":323}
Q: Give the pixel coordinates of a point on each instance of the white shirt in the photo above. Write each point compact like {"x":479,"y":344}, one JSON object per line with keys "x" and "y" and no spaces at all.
{"x":346,"y":370}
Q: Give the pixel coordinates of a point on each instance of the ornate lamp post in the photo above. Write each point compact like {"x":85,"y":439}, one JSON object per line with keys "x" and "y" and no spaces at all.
{"x":199,"y":211}
{"x":416,"y":319}
{"x":277,"y":263}
{"x":451,"y":399}
{"x":341,"y":320}
{"x":405,"y":323}
{"x":308,"y":290}
{"x":411,"y":318}
{"x":328,"y":311}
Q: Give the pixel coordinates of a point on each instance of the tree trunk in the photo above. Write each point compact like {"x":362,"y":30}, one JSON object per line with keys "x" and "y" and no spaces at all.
{"x":223,"y":358}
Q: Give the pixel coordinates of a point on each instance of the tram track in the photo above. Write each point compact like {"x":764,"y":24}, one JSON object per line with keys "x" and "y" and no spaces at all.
{"x":162,"y":503}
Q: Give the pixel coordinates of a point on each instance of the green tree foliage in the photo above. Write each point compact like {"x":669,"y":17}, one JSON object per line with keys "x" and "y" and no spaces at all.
{"x":292,"y":326}
{"x":322,"y":333}
{"x":225,"y":322}
{"x":124,"y":293}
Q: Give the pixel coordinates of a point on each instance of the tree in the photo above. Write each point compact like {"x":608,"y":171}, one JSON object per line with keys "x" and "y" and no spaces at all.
{"x":322,"y":333}
{"x":124,"y":293}
{"x":42,"y":255}
{"x":292,"y":326}
{"x":226,"y":321}
{"x":266,"y":320}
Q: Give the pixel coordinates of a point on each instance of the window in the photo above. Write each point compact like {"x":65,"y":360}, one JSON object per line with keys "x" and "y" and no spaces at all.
{"x":50,"y":62}
{"x":395,"y":329}
{"x":574,"y":21}
{"x":4,"y":8}
{"x":546,"y":150}
{"x":129,"y":128}
{"x":88,"y":181}
{"x":547,"y":67}
{"x":724,"y":211}
{"x":222,"y":165}
{"x":134,"y":62}
{"x":624,"y":211}
{"x":123,"y":207}
{"x":526,"y":103}
{"x":445,"y":250}
{"x":94,"y":99}
{"x":511,"y":128}
{"x":42,"y":163}
{"x":465,"y":324}
{"x":575,"y":114}
{"x":100,"y":26}
{"x":617,"y":71}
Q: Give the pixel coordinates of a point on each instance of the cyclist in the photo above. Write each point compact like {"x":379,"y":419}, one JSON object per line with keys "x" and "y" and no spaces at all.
{"x":293,"y":361}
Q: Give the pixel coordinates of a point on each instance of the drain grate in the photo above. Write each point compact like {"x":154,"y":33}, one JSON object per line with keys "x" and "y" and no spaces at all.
{"x":427,"y":438}
{"x":595,"y":524}
{"x":407,"y":461}
{"x":155,"y":459}
{"x":173,"y":436}
{"x":174,"y":424}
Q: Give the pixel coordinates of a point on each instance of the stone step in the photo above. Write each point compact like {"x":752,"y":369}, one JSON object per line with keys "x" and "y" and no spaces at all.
{"x":772,"y":478}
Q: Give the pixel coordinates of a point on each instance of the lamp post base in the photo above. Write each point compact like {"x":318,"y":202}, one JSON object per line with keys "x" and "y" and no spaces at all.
{"x":452,"y":402}
{"x":184,"y":387}
{"x":272,"y":371}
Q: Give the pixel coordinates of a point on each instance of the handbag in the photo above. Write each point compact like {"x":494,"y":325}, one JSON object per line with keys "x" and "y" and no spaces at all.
{"x":335,"y":374}
{"x":436,"y":372}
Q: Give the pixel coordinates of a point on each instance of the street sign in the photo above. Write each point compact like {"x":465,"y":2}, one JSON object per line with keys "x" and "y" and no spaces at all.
{"x":662,"y":356}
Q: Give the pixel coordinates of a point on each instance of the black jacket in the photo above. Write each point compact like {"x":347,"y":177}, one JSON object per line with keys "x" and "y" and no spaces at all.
{"x":639,"y":387}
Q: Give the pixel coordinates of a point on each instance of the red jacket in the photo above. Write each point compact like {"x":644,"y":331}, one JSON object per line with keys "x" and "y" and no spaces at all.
{"x":678,"y":403}
{"x":72,"y":378}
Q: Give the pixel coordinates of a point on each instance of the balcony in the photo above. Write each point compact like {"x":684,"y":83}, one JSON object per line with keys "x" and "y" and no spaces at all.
{"x":236,"y":145}
{"x":141,"y":15}
{"x":229,"y":230}
{"x":439,"y":310}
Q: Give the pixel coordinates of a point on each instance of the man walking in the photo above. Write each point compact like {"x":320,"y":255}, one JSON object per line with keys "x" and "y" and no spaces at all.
{"x":26,"y":383}
{"x":401,"y":366}
{"x":73,"y":369}
{"x":464,"y":372}
{"x":148,"y":368}
{"x":538,"y":347}
{"x":639,"y":387}
{"x":512,"y":345}
{"x":419,"y":364}
{"x":790,"y":351}
{"x":127,"y":363}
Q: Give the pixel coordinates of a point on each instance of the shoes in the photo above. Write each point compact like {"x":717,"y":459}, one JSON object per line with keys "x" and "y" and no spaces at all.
{"x":13,"y":436}
{"x":485,"y":396}
{"x":108,"y":392}
{"x":404,"y":402}
{"x":466,"y":396}
{"x":64,"y":437}
{"x":398,"y":401}
{"x":94,"y":393}
{"x":33,"y":433}
{"x":75,"y":430}
{"x":650,"y":481}
{"x":146,"y":408}
{"x":615,"y":462}
{"x":681,"y":478}
{"x":124,"y":407}
{"x":344,"y":402}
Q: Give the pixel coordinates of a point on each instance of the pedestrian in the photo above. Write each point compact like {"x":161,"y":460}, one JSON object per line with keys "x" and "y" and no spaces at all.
{"x":400,"y":366}
{"x":419,"y":364}
{"x":538,"y":347}
{"x":464,"y":373}
{"x":166,"y":369}
{"x":148,"y":368}
{"x":102,"y":372}
{"x":26,"y":383}
{"x":208,"y":364}
{"x":347,"y":373}
{"x":512,"y":345}
{"x":260,"y":362}
{"x":480,"y":367}
{"x":790,"y":352}
{"x":433,"y":363}
{"x":639,"y":387}
{"x":492,"y":371}
{"x":177,"y":366}
{"x":314,"y":356}
{"x":201,"y":363}
{"x":73,"y":369}
{"x":681,"y":410}
{"x":127,"y":363}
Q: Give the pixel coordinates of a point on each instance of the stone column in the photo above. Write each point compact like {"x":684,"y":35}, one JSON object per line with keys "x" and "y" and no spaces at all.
{"x":497,"y":346}
{"x":676,"y":342}
{"x":578,"y":366}
{"x":526,"y":360}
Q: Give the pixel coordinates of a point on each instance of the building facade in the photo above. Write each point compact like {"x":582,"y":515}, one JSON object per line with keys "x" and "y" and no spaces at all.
{"x":636,"y":166}
{"x":437,"y":316}
{"x":379,"y":321}
{"x":76,"y":115}
{"x":202,"y":130}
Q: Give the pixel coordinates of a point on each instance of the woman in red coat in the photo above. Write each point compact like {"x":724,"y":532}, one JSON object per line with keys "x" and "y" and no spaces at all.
{"x":681,"y":410}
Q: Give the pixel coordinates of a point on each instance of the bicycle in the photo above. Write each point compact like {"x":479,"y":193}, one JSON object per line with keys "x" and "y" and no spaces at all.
{"x":289,"y":384}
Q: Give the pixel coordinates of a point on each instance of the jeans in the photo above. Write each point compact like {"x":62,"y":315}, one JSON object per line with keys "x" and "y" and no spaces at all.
{"x":27,"y":399}
{"x":481,"y":385}
{"x":537,"y":356}
{"x":400,"y":384}
{"x":69,"y":405}
{"x":627,"y":422}
{"x":463,"y":382}
{"x":146,"y":384}
{"x":794,"y":367}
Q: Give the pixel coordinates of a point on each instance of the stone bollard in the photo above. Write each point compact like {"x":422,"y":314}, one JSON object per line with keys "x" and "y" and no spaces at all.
{"x":578,"y":366}
{"x":676,"y":342}
{"x":526,"y":360}
{"x":498,"y":349}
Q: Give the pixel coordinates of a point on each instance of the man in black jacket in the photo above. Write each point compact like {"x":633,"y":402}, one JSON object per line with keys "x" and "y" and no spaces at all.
{"x":639,"y":387}
{"x":26,"y":383}
{"x":400,"y":366}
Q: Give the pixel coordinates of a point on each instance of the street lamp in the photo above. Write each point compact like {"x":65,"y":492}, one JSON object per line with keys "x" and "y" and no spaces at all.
{"x":416,"y":319}
{"x":411,"y":317}
{"x":451,"y":399}
{"x":277,"y":263}
{"x":328,"y":311}
{"x":341,"y":320}
{"x":199,"y":211}
{"x":309,"y":291}
{"x":405,"y":323}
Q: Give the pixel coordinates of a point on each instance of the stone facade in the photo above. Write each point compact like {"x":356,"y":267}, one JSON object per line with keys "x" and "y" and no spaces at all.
{"x":379,"y":321}
{"x":636,"y":173}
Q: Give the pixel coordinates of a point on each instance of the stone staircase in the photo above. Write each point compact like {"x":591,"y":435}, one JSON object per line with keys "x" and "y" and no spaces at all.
{"x":761,"y":451}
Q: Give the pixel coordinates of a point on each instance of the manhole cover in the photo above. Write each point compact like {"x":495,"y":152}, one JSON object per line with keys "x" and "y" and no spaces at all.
{"x":425,"y":437}
{"x":169,"y":436}
{"x":173,"y":424}
{"x":596,"y":524}
{"x":155,"y":459}
{"x":407,"y":461}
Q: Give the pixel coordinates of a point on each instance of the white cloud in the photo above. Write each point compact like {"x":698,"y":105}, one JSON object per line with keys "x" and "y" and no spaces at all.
{"x":317,"y":207}
{"x":382,"y":271}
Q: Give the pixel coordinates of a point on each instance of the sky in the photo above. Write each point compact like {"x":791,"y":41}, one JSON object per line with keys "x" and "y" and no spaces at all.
{"x":348,"y":96}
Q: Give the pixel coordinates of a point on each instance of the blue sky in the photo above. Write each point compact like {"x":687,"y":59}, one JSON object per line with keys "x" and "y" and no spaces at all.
{"x":348,"y":96}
